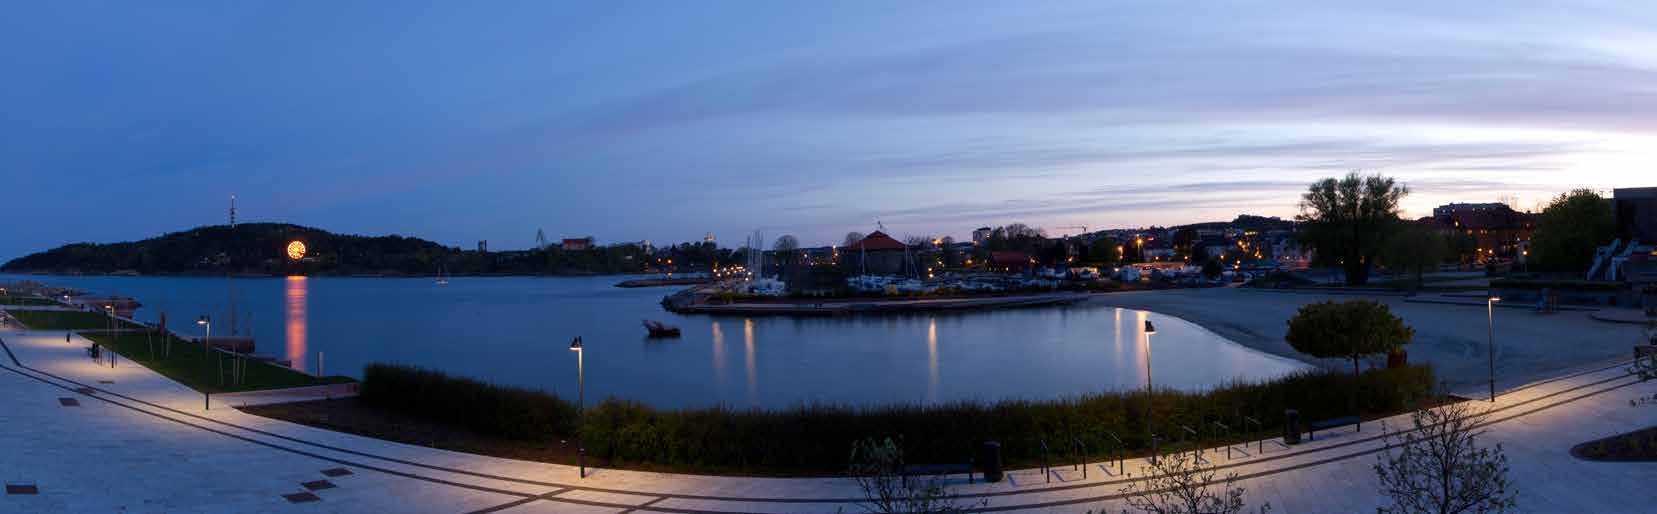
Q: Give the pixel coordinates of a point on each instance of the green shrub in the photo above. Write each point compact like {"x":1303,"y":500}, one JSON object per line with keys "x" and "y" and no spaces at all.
{"x":1560,"y":285}
{"x":815,"y":438}
{"x":511,"y":412}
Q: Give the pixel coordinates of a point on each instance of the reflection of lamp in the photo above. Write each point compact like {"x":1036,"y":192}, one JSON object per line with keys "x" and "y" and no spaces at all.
{"x":580,"y":403}
{"x":1490,"y":316}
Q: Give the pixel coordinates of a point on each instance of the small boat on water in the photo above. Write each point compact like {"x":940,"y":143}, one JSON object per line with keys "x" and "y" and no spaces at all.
{"x":657,"y":329}
{"x":442,"y":276}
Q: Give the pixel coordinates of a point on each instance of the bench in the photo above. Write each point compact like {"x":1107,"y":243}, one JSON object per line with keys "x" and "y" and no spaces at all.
{"x":1326,"y":424}
{"x":937,"y":469}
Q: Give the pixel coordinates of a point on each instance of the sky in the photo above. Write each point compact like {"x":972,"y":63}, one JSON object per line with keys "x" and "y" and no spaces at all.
{"x":667,"y":121}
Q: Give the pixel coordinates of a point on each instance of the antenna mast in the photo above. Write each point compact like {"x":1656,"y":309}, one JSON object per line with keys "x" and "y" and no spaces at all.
{"x":232,"y":210}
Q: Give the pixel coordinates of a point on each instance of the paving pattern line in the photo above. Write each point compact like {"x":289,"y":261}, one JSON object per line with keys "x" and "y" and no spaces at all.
{"x":664,"y":496}
{"x":793,"y":500}
{"x":987,"y":494}
{"x":543,"y":496}
{"x":1303,"y":465}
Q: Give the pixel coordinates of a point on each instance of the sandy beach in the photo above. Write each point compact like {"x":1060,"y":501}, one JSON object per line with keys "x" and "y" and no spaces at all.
{"x":1529,"y":346}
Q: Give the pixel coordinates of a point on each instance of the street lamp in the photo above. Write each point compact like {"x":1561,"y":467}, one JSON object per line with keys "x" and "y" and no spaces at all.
{"x":1150,"y":400}
{"x":580,"y":405}
{"x":206,"y":322}
{"x":113,"y":337}
{"x":1490,"y":316}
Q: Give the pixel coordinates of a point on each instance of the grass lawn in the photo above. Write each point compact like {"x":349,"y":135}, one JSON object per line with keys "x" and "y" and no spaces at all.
{"x":67,"y":320}
{"x":11,"y":299}
{"x":192,"y":366}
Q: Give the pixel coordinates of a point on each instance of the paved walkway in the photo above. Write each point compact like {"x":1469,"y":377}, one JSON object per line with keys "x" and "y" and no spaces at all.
{"x":138,"y":442}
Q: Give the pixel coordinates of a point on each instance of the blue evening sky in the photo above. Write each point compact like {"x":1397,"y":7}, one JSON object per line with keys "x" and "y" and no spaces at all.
{"x":459,"y":121}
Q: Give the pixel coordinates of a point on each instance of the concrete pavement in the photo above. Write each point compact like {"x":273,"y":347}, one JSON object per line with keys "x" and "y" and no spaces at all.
{"x":138,"y":442}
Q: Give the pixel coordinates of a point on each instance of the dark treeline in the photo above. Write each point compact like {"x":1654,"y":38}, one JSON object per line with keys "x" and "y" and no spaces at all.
{"x":262,"y":248}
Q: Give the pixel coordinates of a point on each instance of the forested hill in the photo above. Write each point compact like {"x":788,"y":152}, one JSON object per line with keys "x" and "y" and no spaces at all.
{"x":262,"y":248}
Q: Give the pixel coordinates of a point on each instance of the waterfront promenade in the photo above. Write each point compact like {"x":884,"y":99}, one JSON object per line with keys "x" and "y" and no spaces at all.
{"x":140,"y":443}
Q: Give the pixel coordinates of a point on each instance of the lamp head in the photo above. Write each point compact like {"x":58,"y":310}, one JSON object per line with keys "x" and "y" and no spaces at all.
{"x":204,"y":320}
{"x":1149,"y":328}
{"x":1495,"y":299}
{"x":575,"y":345}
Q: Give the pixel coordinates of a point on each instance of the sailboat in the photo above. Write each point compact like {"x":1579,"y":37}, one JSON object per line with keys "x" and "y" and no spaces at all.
{"x":442,"y":277}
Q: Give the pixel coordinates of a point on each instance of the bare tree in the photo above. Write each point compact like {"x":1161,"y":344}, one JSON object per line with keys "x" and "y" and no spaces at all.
{"x":1180,"y":484}
{"x":1440,"y":468}
{"x":852,"y":238}
{"x":877,"y":465}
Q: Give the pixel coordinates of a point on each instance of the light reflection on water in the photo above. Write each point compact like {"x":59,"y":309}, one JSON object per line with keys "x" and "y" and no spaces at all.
{"x":294,"y":294}
{"x":514,"y":330}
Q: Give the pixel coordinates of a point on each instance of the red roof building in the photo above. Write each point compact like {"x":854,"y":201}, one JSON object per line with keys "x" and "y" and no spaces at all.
{"x":875,"y":242}
{"x":1009,"y":261}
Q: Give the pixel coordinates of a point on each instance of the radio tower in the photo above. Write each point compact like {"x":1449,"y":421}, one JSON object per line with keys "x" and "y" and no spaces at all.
{"x":540,"y":239}
{"x":232,"y":211}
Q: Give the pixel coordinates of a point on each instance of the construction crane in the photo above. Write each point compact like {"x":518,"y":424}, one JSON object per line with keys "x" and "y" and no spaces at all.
{"x":1083,"y":227}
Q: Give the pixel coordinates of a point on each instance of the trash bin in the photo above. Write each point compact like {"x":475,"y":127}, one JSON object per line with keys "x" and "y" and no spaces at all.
{"x":1291,"y":426}
{"x":990,"y":459}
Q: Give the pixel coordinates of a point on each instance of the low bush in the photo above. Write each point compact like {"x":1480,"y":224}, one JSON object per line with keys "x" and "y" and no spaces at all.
{"x":1562,"y":285}
{"x":815,"y":438}
{"x":511,"y":412}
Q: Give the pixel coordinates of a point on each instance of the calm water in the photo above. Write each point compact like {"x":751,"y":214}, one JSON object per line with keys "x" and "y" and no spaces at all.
{"x":516,"y":331}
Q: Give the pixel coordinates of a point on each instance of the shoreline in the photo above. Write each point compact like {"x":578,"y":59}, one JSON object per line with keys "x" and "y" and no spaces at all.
{"x":1454,"y":339}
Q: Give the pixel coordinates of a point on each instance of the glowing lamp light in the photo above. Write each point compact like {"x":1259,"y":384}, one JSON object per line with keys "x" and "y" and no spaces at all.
{"x":296,"y":250}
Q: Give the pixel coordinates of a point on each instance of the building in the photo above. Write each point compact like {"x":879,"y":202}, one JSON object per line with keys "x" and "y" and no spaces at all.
{"x":1636,"y":214}
{"x":981,"y":234}
{"x":876,"y":254}
{"x":483,"y":246}
{"x":577,"y":244}
{"x":1501,"y":232}
{"x":1010,"y":262}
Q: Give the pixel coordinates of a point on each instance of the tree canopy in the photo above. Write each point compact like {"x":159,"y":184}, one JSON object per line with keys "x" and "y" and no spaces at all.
{"x":1347,"y":330}
{"x":1416,"y":250}
{"x":1348,"y":220}
{"x":261,"y":248}
{"x":1569,"y":229}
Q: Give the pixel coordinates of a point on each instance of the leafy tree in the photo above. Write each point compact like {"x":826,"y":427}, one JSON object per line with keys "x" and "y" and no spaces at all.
{"x":1212,"y":269}
{"x":1439,"y":468}
{"x":1103,"y":250}
{"x":1463,"y":246}
{"x":1180,"y":484}
{"x":1416,"y":249}
{"x":951,"y":256}
{"x":1347,"y":220}
{"x":1347,"y":330}
{"x":1569,"y":229}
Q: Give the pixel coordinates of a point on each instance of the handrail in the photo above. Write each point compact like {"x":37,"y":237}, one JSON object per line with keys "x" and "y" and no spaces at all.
{"x":1081,"y":456}
{"x":1226,"y":439}
{"x":1045,"y":470}
{"x":1258,"y":426}
{"x":1120,"y":449}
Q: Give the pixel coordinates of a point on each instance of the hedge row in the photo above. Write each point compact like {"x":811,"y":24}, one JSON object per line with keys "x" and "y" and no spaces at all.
{"x":816,"y":438}
{"x":1562,"y":285}
{"x":511,"y":412}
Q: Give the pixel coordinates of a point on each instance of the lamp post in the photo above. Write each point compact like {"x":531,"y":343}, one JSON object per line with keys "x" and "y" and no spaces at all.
{"x":110,"y":311}
{"x":580,"y":405}
{"x":1490,"y":316}
{"x":205,"y":321}
{"x":1150,"y":419}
